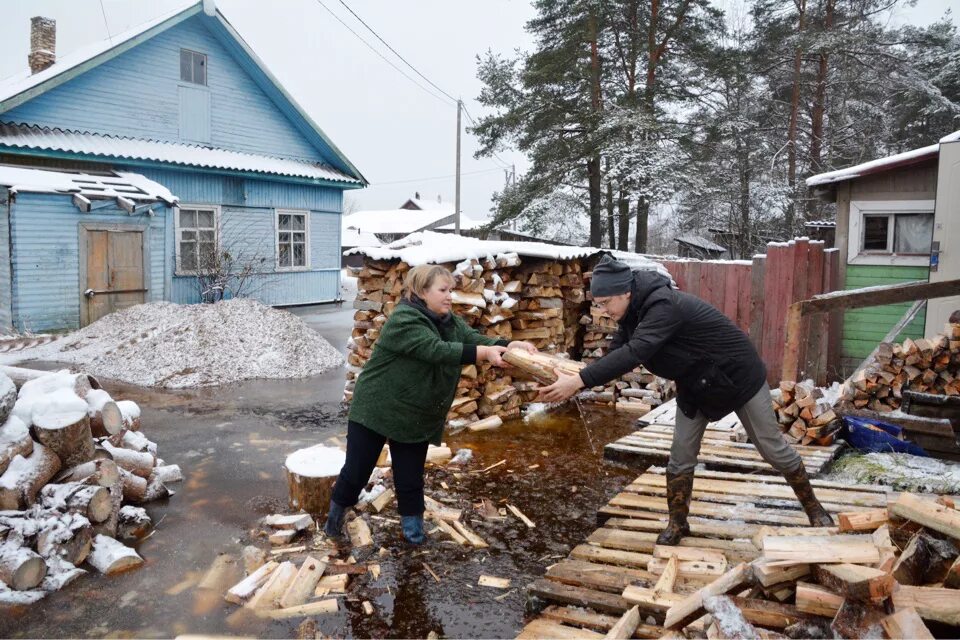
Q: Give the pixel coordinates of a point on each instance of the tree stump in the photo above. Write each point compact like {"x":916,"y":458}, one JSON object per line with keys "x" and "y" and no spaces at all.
{"x":20,"y":568}
{"x":311,"y":474}
{"x":67,"y":434}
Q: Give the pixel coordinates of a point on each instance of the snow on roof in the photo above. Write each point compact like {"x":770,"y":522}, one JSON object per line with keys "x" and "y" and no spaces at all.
{"x":820,"y":223}
{"x":430,"y":205}
{"x":428,"y":247}
{"x":394,"y":220}
{"x":466,"y":222}
{"x":53,"y":139}
{"x":24,"y":81}
{"x":354,"y":238}
{"x":132,"y":186}
{"x":882,"y":164}
{"x":700,"y":242}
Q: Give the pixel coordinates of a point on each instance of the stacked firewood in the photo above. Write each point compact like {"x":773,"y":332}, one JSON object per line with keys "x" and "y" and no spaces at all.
{"x":804,"y":415}
{"x":925,"y":365}
{"x":895,"y":569}
{"x":73,"y":466}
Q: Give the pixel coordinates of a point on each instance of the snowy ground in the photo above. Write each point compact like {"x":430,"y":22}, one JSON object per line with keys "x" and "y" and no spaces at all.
{"x":177,"y":346}
{"x":901,"y":471}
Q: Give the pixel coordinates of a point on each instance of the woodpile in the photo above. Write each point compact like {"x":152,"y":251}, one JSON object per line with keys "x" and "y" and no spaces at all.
{"x":849,"y":583}
{"x":926,"y":366}
{"x":804,"y":415}
{"x":72,"y":465}
{"x":533,"y":299}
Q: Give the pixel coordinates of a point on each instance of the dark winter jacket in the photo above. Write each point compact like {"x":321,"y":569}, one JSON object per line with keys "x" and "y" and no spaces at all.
{"x":407,"y":386}
{"x":678,"y":336}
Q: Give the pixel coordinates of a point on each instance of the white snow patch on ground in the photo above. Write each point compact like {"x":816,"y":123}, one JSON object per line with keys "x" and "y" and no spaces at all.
{"x":162,"y":344}
{"x":902,"y":471}
{"x":319,"y":461}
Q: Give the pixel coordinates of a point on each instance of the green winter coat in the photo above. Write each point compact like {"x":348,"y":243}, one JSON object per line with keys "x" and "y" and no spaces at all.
{"x":407,"y":386}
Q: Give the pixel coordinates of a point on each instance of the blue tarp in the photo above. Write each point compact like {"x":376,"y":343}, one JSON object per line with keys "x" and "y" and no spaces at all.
{"x":874,"y":435}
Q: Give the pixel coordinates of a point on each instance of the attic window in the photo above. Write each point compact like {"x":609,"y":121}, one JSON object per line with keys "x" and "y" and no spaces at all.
{"x":193,"y":67}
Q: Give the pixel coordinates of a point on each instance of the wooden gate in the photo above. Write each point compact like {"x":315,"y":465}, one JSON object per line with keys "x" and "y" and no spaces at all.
{"x":112,"y":271}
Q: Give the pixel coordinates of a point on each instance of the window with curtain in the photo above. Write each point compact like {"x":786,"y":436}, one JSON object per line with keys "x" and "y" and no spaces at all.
{"x":293,"y":250}
{"x":898,"y":233}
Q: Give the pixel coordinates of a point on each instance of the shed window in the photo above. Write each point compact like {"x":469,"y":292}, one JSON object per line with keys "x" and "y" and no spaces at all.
{"x":293,"y":239}
{"x":196,"y":240}
{"x":898,"y":233}
{"x":193,"y":67}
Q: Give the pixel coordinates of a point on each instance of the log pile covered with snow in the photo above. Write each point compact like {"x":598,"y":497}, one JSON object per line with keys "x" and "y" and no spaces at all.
{"x":74,"y":466}
{"x":171,"y":345}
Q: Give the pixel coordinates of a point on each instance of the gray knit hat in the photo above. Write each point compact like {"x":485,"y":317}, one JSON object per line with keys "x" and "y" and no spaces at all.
{"x":610,"y":278}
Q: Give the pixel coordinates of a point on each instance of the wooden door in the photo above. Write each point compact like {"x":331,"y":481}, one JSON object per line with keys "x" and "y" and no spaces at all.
{"x":946,"y":232}
{"x":115,"y":278}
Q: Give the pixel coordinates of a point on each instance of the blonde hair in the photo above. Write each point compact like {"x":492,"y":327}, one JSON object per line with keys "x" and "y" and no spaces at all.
{"x":422,"y":277}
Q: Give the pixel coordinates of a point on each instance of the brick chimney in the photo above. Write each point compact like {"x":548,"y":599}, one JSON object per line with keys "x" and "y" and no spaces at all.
{"x":43,"y":43}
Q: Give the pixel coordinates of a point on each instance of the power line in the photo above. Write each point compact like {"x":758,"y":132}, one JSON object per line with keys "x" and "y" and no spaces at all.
{"x":395,"y":52}
{"x":104,"y":13}
{"x":383,"y":57}
{"x":446,"y":177}
{"x":506,"y":165}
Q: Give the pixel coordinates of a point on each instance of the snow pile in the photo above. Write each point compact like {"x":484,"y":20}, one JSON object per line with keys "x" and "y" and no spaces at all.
{"x":901,"y":471}
{"x":169,"y":345}
{"x":319,"y":461}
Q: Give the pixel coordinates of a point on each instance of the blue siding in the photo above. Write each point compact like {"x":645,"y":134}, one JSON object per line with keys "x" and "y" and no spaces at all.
{"x":46,"y":258}
{"x":299,"y":287}
{"x":324,"y":240}
{"x":6,"y":313}
{"x":136,"y":94}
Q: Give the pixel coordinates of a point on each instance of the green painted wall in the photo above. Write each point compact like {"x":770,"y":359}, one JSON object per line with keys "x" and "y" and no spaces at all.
{"x":864,"y":328}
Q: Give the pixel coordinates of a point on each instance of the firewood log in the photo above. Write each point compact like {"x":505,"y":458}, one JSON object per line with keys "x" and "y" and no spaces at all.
{"x":135,"y":462}
{"x":109,"y":556}
{"x":15,"y":441}
{"x":134,"y":487}
{"x":25,"y":477}
{"x":133,"y":522}
{"x":8,"y":397}
{"x":90,"y":501}
{"x":102,"y":473}
{"x":105,"y":417}
{"x":109,"y":526}
{"x":69,"y":538}
{"x":20,"y":569}
{"x":66,"y":433}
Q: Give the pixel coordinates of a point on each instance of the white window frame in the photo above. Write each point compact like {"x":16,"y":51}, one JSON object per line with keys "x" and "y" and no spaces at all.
{"x":206,"y":67}
{"x":176,"y":232}
{"x":859,"y":209}
{"x":276,"y":238}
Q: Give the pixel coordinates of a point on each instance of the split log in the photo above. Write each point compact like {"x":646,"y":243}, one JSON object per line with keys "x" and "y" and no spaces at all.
{"x":15,"y":441}
{"x":854,"y":549}
{"x":928,"y":513}
{"x":540,"y":365}
{"x":25,"y":477}
{"x":952,"y":579}
{"x":66,"y":433}
{"x":101,"y":472}
{"x":274,"y":587}
{"x":924,"y":560}
{"x":863,"y":520}
{"x":303,"y":584}
{"x":20,"y":568}
{"x":109,"y":556}
{"x":90,"y":501}
{"x":768,"y":614}
{"x":133,"y":522}
{"x":244,"y":590}
{"x":856,"y":582}
{"x":311,"y":474}
{"x":491,"y":422}
{"x":906,"y":623}
{"x":816,"y":600}
{"x":932,"y":603}
{"x":729,"y":619}
{"x":625,"y":626}
{"x":296,"y":521}
{"x":105,"y":417}
{"x":856,"y":619}
{"x":359,"y":533}
{"x":692,"y":607}
{"x":68,"y":538}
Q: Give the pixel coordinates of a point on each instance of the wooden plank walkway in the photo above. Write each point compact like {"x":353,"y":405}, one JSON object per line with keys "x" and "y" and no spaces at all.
{"x":584,"y":595}
{"x":651,"y":446}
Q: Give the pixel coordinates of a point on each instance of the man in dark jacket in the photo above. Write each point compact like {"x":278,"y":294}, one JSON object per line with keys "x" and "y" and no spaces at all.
{"x":716,"y":368}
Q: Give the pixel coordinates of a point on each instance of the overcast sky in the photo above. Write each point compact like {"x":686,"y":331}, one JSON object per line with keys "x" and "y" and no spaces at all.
{"x":398,"y":135}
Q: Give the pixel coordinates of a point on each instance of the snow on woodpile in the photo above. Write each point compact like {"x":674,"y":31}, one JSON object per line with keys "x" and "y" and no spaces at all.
{"x":170,"y":345}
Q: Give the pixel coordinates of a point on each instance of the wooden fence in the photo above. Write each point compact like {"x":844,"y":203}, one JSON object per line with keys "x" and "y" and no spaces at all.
{"x":757,"y":294}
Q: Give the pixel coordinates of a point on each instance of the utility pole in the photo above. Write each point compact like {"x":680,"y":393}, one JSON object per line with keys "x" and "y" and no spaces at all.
{"x":456,"y":203}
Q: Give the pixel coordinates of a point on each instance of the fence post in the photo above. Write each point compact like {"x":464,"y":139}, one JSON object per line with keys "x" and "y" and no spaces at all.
{"x":757,"y":272}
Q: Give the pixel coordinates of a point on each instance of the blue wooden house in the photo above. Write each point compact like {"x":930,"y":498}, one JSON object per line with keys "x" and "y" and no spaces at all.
{"x":128,"y":166}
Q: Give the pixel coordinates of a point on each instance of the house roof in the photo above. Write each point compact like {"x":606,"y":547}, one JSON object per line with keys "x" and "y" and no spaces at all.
{"x":700,"y":242}
{"x":394,"y":220}
{"x":20,"y":136}
{"x":354,"y":238}
{"x":904,"y":159}
{"x":820,"y":224}
{"x":23,"y":87}
{"x":131,"y":187}
{"x":428,"y":205}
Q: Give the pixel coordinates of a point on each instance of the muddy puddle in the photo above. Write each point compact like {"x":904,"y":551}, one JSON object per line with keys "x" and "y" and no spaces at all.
{"x":231,"y":443}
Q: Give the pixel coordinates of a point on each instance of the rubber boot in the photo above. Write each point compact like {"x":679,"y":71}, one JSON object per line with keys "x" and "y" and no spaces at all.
{"x":800,"y":482}
{"x":679,"y":490}
{"x":412,"y":529}
{"x":334,"y":525}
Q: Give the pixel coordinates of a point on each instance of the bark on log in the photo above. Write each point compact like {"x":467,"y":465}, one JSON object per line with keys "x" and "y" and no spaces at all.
{"x":134,"y":487}
{"x":68,"y":538}
{"x":109,"y":526}
{"x":109,"y":556}
{"x":90,"y":501}
{"x":8,"y":397}
{"x":102,"y":473}
{"x":310,"y":494}
{"x":15,"y":441}
{"x":106,"y":419}
{"x":133,"y":522}
{"x":130,"y":412}
{"x":137,"y":463}
{"x":25,"y":477}
{"x":21,"y":569}
{"x":67,"y":435}
{"x":156,"y":490}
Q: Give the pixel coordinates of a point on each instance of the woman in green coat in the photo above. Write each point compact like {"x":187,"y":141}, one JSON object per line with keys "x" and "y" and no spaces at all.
{"x":404,"y":392}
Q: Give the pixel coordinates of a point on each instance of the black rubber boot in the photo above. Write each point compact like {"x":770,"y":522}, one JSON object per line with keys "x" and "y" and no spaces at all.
{"x":412,"y":529}
{"x":679,"y":490}
{"x":800,"y":482}
{"x":334,"y":525}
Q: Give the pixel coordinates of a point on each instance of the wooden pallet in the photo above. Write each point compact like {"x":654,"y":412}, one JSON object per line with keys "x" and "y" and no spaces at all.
{"x":718,"y":450}
{"x":666,"y":414}
{"x":584,"y":595}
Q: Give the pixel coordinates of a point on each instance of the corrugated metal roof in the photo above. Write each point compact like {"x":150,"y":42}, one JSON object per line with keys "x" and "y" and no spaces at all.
{"x":22,"y":136}
{"x":700,"y":242}
{"x":131,"y":186}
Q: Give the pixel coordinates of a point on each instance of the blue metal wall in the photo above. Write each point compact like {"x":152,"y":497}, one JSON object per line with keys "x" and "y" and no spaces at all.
{"x":137,"y":94}
{"x":45,"y":288}
{"x":6,"y":314}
